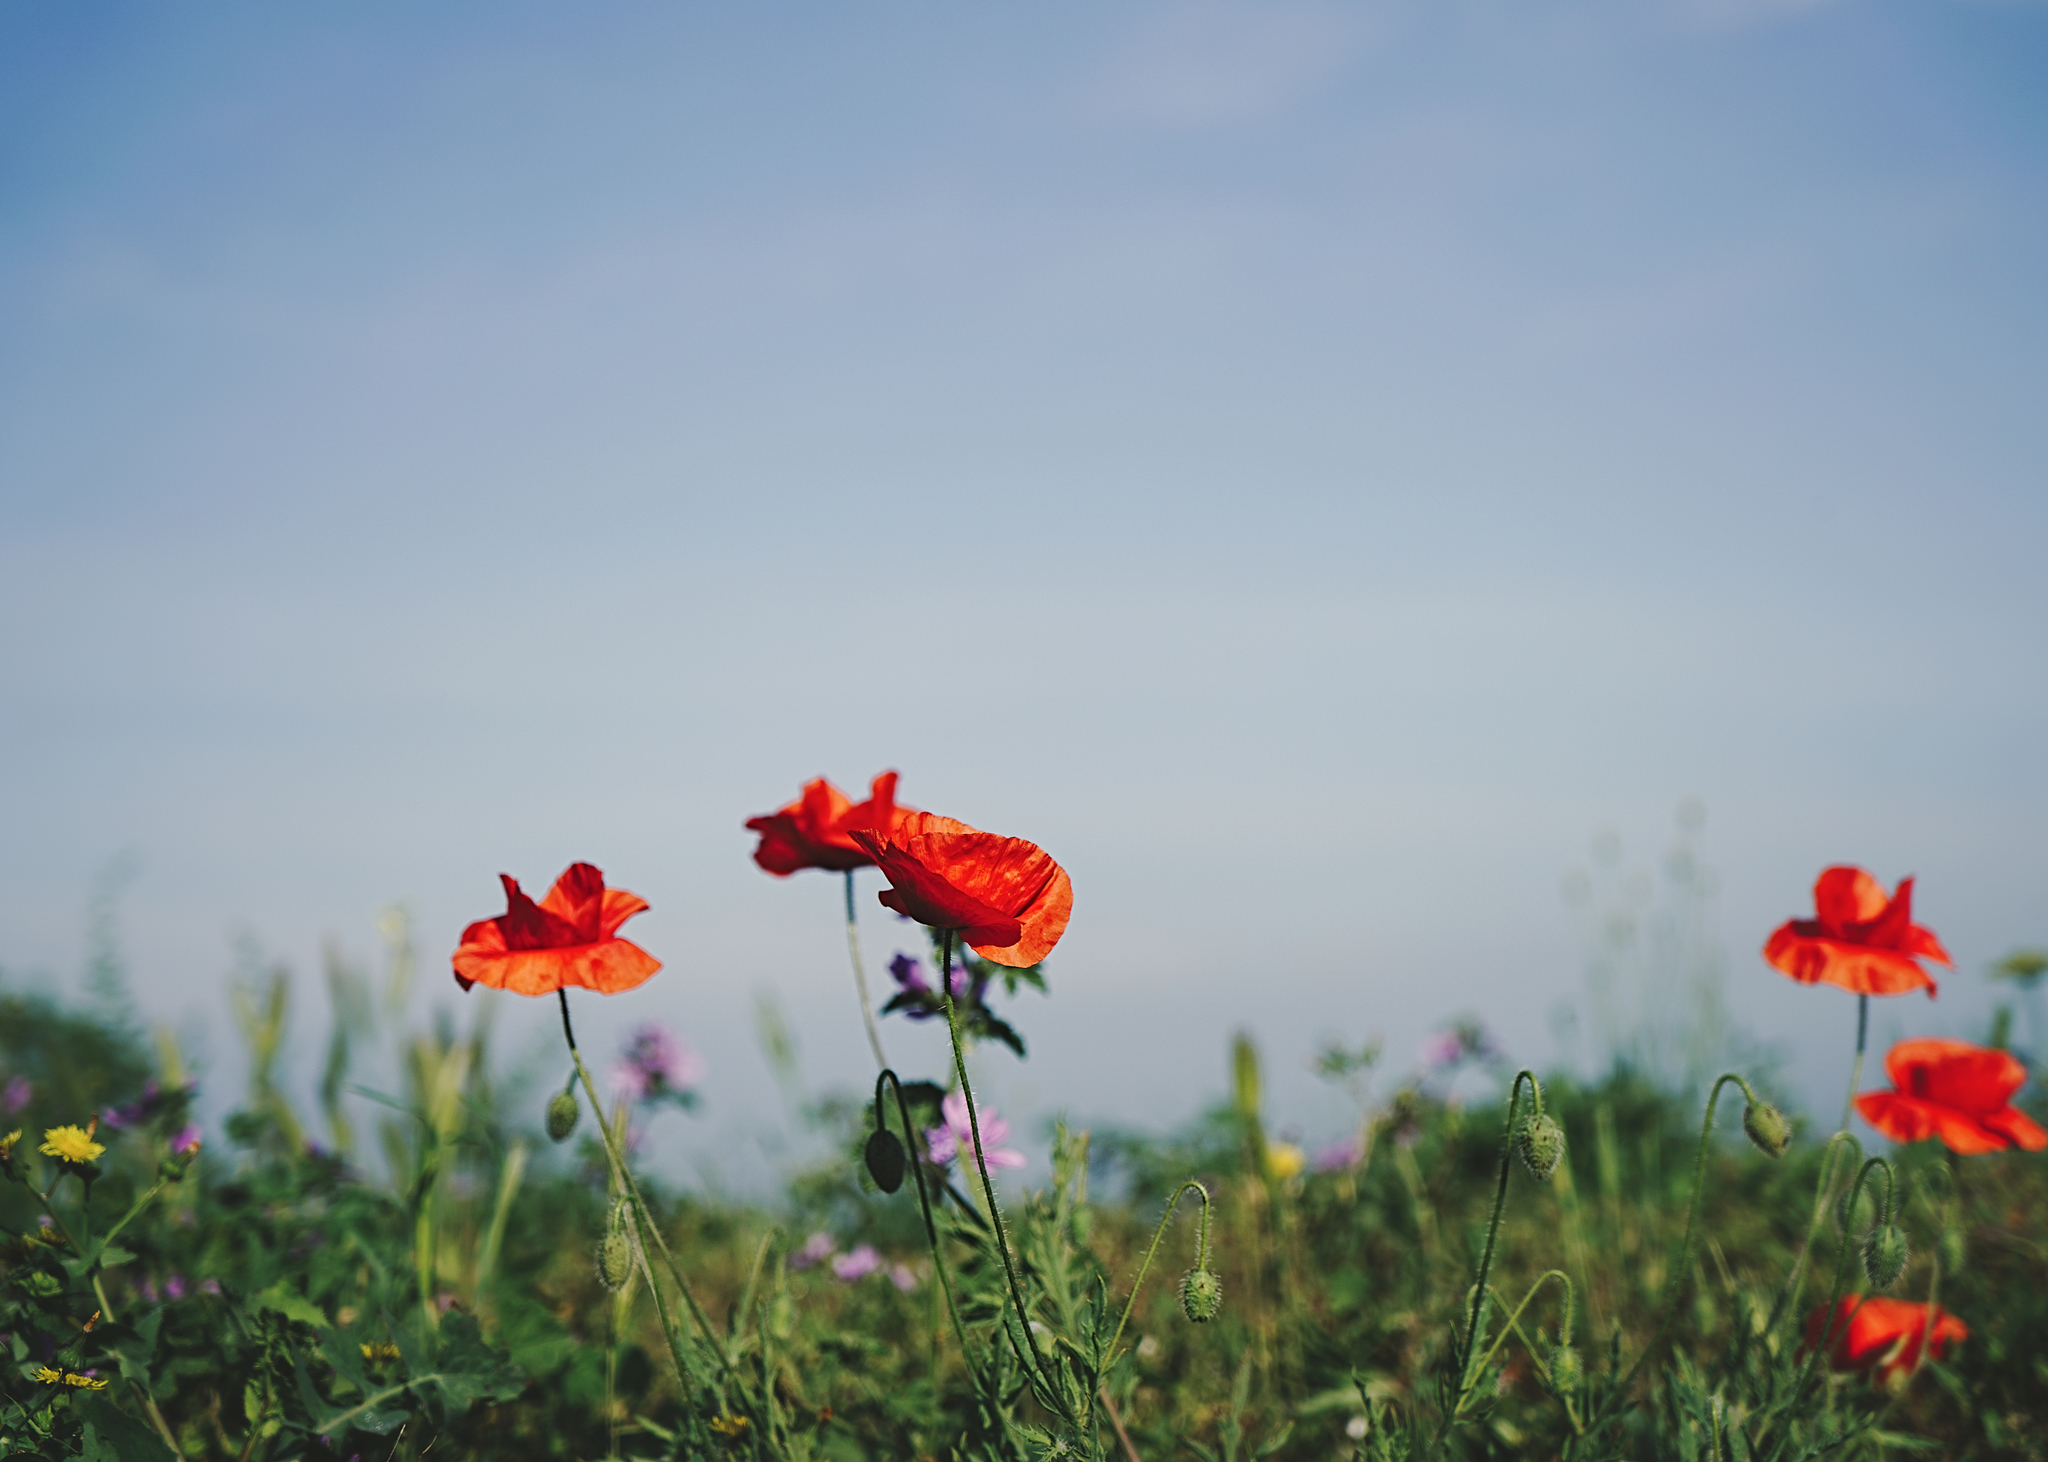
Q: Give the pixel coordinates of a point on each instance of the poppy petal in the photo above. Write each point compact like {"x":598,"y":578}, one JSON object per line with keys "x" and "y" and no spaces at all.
{"x":1843,"y":896}
{"x":577,"y":899}
{"x":618,"y":906}
{"x":2018,"y":1128}
{"x":1856,"y":967}
{"x":1975,"y":1079}
{"x":1901,"y":1118}
{"x":608,"y":968}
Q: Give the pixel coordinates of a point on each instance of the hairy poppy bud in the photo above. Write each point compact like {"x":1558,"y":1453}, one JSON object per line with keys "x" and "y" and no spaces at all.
{"x":1541,"y":1145}
{"x":615,"y":1260}
{"x":1884,"y":1256}
{"x":1767,"y":1128}
{"x":1566,"y":1370}
{"x":1201,"y":1295}
{"x":885,"y":1160}
{"x":562,"y":1115}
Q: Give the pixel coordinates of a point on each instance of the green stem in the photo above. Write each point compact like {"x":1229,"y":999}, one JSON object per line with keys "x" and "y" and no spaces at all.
{"x":1827,"y":1334}
{"x":1201,"y":1258}
{"x":1028,"y":1351}
{"x":647,"y":1225}
{"x":1500,"y":1198}
{"x":1856,"y":1067}
{"x":1680,"y":1275}
{"x":1514,"y":1319}
{"x":860,"y":978}
{"x":924,"y":1204}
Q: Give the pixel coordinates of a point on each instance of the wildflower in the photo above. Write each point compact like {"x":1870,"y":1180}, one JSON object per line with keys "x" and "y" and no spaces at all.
{"x":186,"y":1143}
{"x":154,"y":1099}
{"x":1874,"y":1333}
{"x":174,"y":1287}
{"x":1457,"y":1044}
{"x":568,"y":938}
{"x":1284,"y":1160}
{"x":84,"y":1381}
{"x":379,"y":1350}
{"x":1336,"y":1156}
{"x":729,"y":1426}
{"x":858,"y":1264}
{"x":71,"y":1144}
{"x":7,"y":1146}
{"x":957,"y":1136}
{"x":815,"y":831}
{"x":816,"y":1250}
{"x":18,"y":1093}
{"x":1859,"y":940}
{"x":48,"y":1377}
{"x":656,"y":1065}
{"x":903,"y":1277}
{"x":1955,"y":1091}
{"x":1008,"y":898}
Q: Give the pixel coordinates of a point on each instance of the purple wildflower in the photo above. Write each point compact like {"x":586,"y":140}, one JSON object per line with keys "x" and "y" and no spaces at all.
{"x":18,"y":1093}
{"x":174,"y":1287}
{"x":859,"y":1264}
{"x":153,"y":1100}
{"x":1336,"y":1156}
{"x":903,"y":1277}
{"x":908,"y":974}
{"x":957,"y":1136}
{"x":209,"y":1286}
{"x":1455,"y":1045}
{"x":921,"y":1001}
{"x":816,"y":1250}
{"x":655,"y":1064}
{"x":187,"y":1140}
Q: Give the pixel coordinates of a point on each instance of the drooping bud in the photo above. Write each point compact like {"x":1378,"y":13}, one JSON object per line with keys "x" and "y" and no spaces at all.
{"x":1541,"y":1145}
{"x":562,"y":1114}
{"x":1566,"y":1370}
{"x":885,"y":1160}
{"x":615,"y":1260}
{"x":1766,"y":1126}
{"x":1201,"y":1295}
{"x":1884,"y":1256}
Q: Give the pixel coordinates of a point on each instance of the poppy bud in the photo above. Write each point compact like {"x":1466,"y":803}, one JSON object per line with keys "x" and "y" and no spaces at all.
{"x":615,"y":1260}
{"x":1767,"y":1128}
{"x":1541,"y":1145}
{"x":1884,"y":1256}
{"x":562,"y":1115}
{"x":1201,"y":1295}
{"x":1566,"y":1370}
{"x":885,"y":1160}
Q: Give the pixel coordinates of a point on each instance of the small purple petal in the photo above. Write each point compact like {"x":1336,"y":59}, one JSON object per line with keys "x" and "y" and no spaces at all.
{"x":859,"y":1264}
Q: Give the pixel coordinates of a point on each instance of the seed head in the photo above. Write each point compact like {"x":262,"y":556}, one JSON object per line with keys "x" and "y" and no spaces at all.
{"x":562,"y":1114}
{"x":1884,"y":1256}
{"x":1767,"y":1128}
{"x":1541,"y":1145}
{"x":1201,"y":1295}
{"x":615,"y":1260}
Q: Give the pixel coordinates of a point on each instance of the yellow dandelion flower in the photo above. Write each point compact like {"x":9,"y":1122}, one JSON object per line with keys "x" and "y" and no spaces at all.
{"x":70,"y":1144}
{"x":730,"y":1426}
{"x":7,"y":1143}
{"x":1284,"y":1160}
{"x":380,"y":1350}
{"x":47,"y":1376}
{"x":87,"y":1383}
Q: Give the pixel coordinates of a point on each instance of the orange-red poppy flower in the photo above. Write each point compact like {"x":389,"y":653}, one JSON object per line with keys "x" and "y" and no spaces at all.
{"x":1007,"y":897}
{"x":1955,"y":1091}
{"x":816,"y":830}
{"x":1860,"y":940}
{"x":1876,"y":1333}
{"x":568,"y":938}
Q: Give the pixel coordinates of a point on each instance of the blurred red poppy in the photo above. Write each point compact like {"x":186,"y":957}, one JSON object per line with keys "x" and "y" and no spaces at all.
{"x":1875,"y":1333}
{"x":1860,"y":940}
{"x":1955,"y":1091}
{"x":816,"y":830}
{"x":1007,"y":897}
{"x":569,"y":938}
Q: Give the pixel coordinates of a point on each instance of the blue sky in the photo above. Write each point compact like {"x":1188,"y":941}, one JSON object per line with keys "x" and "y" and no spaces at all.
{"x":1310,"y":467}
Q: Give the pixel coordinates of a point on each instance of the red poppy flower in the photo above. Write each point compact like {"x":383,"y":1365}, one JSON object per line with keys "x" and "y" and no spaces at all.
{"x":1861,"y":940}
{"x":1884,"y":1334}
{"x":1007,"y":897}
{"x":816,"y":830}
{"x":568,"y":938}
{"x":1955,"y":1091}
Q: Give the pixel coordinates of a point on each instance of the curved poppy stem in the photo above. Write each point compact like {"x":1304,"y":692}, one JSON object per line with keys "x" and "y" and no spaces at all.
{"x":1028,"y":1352}
{"x":1201,"y":1257}
{"x":1681,"y":1274}
{"x":924,"y":1203}
{"x":1827,"y":1333}
{"x":1514,"y":1321}
{"x":1500,"y":1198}
{"x":647,"y":1224}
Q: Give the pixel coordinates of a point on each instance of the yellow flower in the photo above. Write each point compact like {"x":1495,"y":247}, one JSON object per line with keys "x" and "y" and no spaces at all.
{"x":1283,"y":1161}
{"x":730,"y":1426}
{"x":72,"y":1378}
{"x":380,"y":1350}
{"x":7,"y":1145}
{"x":70,"y":1144}
{"x":47,"y":1376}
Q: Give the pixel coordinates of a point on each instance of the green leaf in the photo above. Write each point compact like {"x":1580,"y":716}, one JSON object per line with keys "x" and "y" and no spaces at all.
{"x":112,"y":1435}
{"x":287,"y":1302}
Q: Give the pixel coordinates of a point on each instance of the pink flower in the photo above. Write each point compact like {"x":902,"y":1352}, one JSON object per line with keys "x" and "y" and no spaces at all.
{"x":654,"y":1065}
{"x":859,"y":1264}
{"x":903,"y":1277}
{"x":1339,"y":1155}
{"x":187,"y":1141}
{"x":19,"y":1092}
{"x":816,"y":1250}
{"x":957,"y":1136}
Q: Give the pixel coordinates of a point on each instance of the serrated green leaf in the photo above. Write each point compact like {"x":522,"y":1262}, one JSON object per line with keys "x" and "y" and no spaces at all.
{"x":283,"y":1300}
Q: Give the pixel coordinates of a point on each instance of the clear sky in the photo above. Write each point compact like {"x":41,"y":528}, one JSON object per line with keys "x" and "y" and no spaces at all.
{"x":1309,"y":467}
